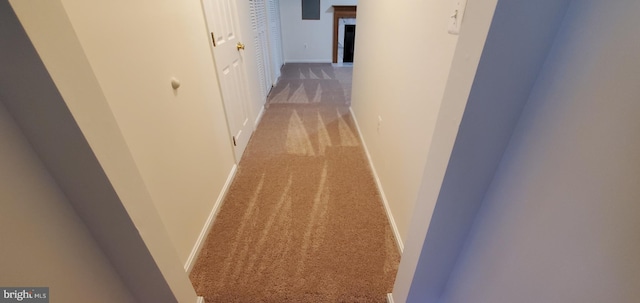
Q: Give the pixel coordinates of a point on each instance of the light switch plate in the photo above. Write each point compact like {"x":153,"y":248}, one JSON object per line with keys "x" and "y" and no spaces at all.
{"x":457,"y":14}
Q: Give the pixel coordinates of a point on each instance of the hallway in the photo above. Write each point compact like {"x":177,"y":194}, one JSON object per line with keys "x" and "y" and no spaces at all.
{"x":303,"y":220}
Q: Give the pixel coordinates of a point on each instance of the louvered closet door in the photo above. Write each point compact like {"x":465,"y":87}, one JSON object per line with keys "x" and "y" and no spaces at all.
{"x":259,"y":28}
{"x":275,"y":39}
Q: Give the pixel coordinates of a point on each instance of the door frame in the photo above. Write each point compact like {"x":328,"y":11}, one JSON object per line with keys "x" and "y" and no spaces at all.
{"x":340,"y":11}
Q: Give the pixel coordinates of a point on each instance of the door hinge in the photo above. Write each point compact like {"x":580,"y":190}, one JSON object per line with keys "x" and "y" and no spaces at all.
{"x":234,"y":141}
{"x":213,"y":38}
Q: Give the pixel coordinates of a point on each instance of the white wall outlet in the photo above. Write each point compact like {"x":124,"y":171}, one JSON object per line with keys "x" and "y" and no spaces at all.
{"x":455,"y":19}
{"x":379,"y":123}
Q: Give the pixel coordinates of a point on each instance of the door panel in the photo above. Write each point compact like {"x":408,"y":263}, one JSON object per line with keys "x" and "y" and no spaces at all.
{"x":222,"y":23}
{"x":275,"y":39}
{"x":258,"y":15}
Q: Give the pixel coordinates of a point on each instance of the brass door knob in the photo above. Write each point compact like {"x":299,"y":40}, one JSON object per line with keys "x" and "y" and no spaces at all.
{"x":240,"y":46}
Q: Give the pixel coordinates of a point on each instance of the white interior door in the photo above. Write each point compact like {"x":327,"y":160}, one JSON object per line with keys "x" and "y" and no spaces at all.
{"x":222,"y":22}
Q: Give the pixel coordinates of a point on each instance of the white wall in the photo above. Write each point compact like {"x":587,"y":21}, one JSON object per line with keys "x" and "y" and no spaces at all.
{"x":109,"y":196}
{"x":515,"y":49}
{"x":44,"y":242}
{"x":308,"y":40}
{"x":404,"y":87}
{"x":461,"y":75}
{"x":179,"y":139}
{"x":72,"y":126}
{"x":561,"y":218}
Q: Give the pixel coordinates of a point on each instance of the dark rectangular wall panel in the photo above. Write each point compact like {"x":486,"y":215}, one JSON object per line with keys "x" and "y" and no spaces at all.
{"x":310,"y":9}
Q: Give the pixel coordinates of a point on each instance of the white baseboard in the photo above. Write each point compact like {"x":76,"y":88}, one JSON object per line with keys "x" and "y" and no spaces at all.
{"x":207,"y":226}
{"x":387,"y":208}
{"x":389,"y":298}
{"x":259,"y":118}
{"x":200,"y":300}
{"x":308,"y":61}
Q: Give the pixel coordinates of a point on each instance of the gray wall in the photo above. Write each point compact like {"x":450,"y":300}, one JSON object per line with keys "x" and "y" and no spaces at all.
{"x":44,"y":242}
{"x":514,"y":52}
{"x":76,"y":232}
{"x":561,"y":218}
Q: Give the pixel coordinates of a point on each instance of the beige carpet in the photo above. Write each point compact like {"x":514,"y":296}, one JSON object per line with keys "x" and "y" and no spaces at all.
{"x":313,"y":84}
{"x":303,"y":221}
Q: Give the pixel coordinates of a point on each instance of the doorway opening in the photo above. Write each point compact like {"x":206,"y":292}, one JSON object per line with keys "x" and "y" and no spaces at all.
{"x":343,"y":15}
{"x":346,"y":40}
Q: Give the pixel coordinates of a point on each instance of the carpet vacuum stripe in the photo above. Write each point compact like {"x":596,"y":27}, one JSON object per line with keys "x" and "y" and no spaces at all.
{"x":302,"y":220}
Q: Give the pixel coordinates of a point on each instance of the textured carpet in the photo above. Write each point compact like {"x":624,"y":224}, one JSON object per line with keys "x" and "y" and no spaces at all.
{"x":302,"y":221}
{"x":313,"y":83}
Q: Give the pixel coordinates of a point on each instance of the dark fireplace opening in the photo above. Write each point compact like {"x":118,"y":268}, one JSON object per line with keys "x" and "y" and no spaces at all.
{"x":349,"y":42}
